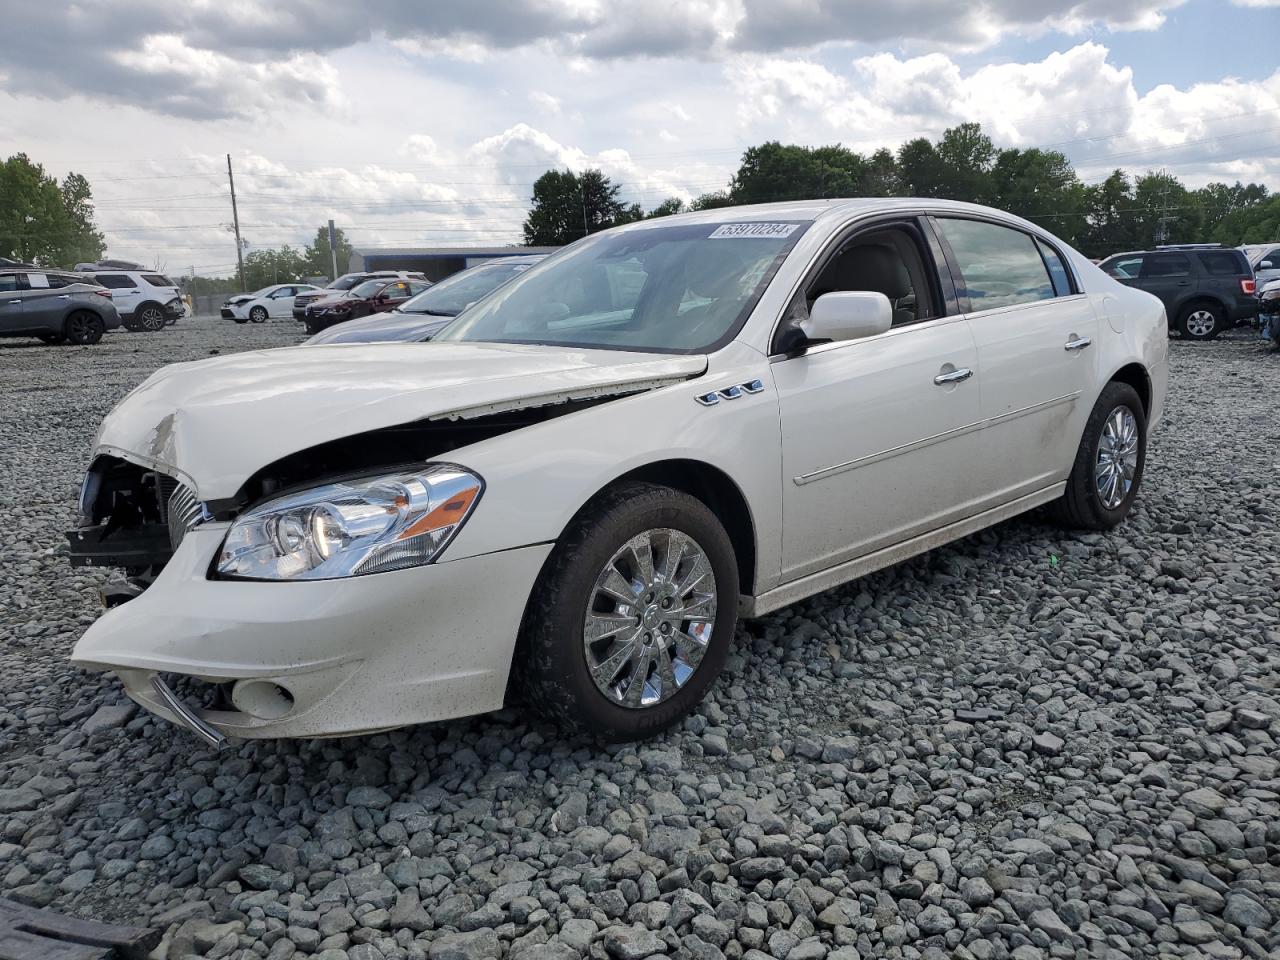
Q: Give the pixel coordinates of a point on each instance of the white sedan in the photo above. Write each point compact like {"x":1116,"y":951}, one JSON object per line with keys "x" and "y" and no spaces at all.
{"x":589,"y":477}
{"x":270,"y":302}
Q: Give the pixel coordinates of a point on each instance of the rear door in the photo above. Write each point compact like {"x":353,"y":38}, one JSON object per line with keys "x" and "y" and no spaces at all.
{"x":1035,"y":334}
{"x":1169,"y":276}
{"x":125,"y":293}
{"x":10,"y":303}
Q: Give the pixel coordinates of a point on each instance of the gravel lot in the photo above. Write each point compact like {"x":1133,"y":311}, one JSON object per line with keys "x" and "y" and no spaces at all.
{"x":1027,"y":744}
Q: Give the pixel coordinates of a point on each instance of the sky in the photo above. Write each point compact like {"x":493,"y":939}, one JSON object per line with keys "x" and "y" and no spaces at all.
{"x":426,"y":124}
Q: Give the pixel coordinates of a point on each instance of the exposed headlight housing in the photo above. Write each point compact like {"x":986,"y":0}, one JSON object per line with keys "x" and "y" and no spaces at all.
{"x":351,"y":528}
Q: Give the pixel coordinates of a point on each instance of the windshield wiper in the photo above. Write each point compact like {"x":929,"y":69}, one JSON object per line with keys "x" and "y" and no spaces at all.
{"x":432,"y":313}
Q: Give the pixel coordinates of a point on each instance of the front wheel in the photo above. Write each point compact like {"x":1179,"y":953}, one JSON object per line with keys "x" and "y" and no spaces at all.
{"x":1201,"y":321}
{"x":258,"y":314}
{"x":632,"y":616}
{"x":1108,"y":468}
{"x":149,"y":318}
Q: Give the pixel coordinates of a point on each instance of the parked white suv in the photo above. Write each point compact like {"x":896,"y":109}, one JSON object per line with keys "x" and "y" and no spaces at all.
{"x":146,"y":300}
{"x":585,"y":479}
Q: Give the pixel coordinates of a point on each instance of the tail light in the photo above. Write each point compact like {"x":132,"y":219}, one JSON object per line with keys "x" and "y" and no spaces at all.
{"x":1249,"y":286}
{"x":103,"y":293}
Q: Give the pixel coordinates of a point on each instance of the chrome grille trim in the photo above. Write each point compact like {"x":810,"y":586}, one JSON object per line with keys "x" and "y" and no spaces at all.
{"x":185,"y":512}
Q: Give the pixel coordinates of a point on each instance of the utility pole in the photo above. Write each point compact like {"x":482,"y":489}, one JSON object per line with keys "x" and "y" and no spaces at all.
{"x":582,"y":193}
{"x":235,"y":217}
{"x":333,"y":250}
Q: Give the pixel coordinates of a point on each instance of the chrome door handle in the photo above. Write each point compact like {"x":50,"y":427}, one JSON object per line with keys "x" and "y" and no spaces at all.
{"x":64,"y":296}
{"x":1079,"y":343}
{"x":955,"y":376}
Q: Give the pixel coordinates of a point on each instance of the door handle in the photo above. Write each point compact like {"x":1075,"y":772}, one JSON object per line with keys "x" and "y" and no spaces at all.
{"x":1184,"y":283}
{"x":15,"y":301}
{"x":1079,"y":343}
{"x":64,"y":296}
{"x":955,"y":376}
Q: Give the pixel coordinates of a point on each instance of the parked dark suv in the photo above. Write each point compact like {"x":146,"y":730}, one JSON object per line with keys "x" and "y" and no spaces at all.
{"x":1206,"y":288}
{"x":54,"y":306}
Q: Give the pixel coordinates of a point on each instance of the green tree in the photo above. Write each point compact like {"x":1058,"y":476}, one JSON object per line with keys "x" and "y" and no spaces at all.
{"x":44,"y":222}
{"x":1041,"y":186}
{"x":285,"y":265}
{"x":773,"y":171}
{"x":667,"y":207}
{"x":568,"y":206}
{"x":319,"y":262}
{"x":712,"y":201}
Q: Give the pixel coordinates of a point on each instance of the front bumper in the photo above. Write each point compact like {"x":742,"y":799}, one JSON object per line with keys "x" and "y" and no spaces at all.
{"x":234,"y":311}
{"x":352,"y":655}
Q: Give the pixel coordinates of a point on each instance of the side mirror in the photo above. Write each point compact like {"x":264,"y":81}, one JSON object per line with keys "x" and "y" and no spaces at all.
{"x":848,"y":315}
{"x":1266,"y":265}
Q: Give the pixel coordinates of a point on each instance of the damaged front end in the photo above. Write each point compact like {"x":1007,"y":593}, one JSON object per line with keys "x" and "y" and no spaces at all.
{"x":133,"y":518}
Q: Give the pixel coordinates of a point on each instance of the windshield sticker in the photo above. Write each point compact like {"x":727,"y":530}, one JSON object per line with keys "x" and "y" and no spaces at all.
{"x":753,"y":230}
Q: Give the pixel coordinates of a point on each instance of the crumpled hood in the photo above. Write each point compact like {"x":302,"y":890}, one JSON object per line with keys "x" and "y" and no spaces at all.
{"x":215,"y":422}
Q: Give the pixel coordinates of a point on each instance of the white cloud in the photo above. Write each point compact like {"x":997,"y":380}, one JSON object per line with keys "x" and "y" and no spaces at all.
{"x":545,"y":102}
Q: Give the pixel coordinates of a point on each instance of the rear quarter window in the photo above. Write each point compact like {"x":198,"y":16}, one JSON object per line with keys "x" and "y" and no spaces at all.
{"x":115,"y":281}
{"x":1225,"y":263}
{"x":158,"y":280}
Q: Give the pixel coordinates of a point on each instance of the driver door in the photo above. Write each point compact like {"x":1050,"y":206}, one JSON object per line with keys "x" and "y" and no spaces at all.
{"x":877,"y":433}
{"x":281,"y":302}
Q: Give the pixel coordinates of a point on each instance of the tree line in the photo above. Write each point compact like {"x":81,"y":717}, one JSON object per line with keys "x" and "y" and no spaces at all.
{"x":43,"y":221}
{"x":1122,"y":212}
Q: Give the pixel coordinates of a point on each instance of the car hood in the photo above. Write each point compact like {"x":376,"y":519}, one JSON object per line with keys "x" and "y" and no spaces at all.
{"x":215,"y":422}
{"x":384,"y":327}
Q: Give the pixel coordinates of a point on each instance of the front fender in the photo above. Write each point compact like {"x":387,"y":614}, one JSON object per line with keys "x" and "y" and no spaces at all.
{"x":538,"y":477}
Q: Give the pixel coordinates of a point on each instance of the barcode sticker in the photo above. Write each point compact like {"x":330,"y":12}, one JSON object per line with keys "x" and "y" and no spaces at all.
{"x":753,"y":230}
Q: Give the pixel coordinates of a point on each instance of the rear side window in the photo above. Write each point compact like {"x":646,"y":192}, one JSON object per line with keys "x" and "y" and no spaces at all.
{"x":158,"y":280}
{"x":1225,"y":263}
{"x":1165,"y":265}
{"x":1057,"y":269}
{"x":8,"y":282}
{"x":1126,"y":268}
{"x":115,"y":281}
{"x":1000,"y":267}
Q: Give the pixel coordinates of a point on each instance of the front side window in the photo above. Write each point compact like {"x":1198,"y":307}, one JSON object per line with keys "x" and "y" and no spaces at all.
{"x":678,"y":288}
{"x":1124,"y":268}
{"x":368,"y":288}
{"x":1165,"y":265}
{"x":999,"y":266}
{"x":8,"y":282}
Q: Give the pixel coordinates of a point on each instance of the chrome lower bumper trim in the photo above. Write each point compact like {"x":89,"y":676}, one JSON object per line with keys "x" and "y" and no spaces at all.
{"x":183,"y":713}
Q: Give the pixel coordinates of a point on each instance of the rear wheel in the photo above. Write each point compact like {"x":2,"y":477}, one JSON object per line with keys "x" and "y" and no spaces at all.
{"x":149,"y":317}
{"x":83,"y":328}
{"x":1108,"y":468}
{"x":258,"y":314}
{"x":631,"y":619}
{"x":1201,"y":321}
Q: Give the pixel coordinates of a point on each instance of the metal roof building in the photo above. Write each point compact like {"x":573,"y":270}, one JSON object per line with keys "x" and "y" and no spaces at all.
{"x":435,"y":263}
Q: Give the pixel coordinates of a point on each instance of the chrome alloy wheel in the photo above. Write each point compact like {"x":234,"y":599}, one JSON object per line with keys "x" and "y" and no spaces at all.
{"x":1117,"y":457}
{"x":151,"y":319}
{"x":1200,"y":323}
{"x":649,"y":618}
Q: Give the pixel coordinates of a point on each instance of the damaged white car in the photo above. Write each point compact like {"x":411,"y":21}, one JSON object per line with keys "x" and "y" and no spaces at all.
{"x":585,"y":480}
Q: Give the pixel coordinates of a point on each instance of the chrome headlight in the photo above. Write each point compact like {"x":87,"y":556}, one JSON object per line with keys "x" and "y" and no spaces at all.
{"x":351,"y":528}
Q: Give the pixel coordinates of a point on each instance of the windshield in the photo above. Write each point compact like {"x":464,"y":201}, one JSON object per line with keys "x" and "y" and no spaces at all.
{"x":368,"y":288}
{"x":672,"y":288}
{"x":449,"y":296}
{"x":263,"y":292}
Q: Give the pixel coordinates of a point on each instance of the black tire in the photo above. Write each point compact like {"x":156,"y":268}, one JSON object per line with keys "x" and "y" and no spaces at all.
{"x":1082,"y":505}
{"x":149,"y":318}
{"x":312,"y":327}
{"x":51,"y":338}
{"x":551,"y":668}
{"x":1201,"y":321}
{"x":258,"y":314}
{"x":83,"y":328}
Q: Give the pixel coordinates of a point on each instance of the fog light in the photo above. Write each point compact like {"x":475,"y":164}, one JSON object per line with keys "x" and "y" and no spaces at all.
{"x":262,"y":699}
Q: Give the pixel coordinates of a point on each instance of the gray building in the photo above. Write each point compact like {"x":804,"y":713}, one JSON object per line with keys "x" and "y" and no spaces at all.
{"x":435,"y":263}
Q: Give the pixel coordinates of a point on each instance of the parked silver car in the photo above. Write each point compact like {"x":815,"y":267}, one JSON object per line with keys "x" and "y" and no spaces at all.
{"x":54,"y":306}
